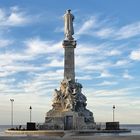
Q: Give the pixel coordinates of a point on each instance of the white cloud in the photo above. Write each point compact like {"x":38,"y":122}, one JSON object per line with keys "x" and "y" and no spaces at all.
{"x":37,"y":46}
{"x":128,"y":31}
{"x":10,"y":57}
{"x":111,"y":93}
{"x":98,"y":27}
{"x":2,"y":14}
{"x":85,"y":60}
{"x":86,"y":49}
{"x":5,"y":73}
{"x":12,"y":63}
{"x":98,"y":57}
{"x":50,"y":75}
{"x":98,"y":66}
{"x":22,"y":68}
{"x":135,"y":55}
{"x":5,"y":42}
{"x":87,"y":25}
{"x":105,"y":74}
{"x":113,"y":52}
{"x":122,"y":63}
{"x":107,"y":83}
{"x":85,"y":77}
{"x":104,"y":33}
{"x":15,"y":17}
{"x":126,"y":75}
{"x":55,"y":63}
{"x":15,"y":68}
{"x":43,"y":83}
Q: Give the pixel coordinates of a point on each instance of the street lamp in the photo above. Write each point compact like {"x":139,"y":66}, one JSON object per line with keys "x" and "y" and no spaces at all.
{"x":30,"y":113}
{"x":113,"y":113}
{"x":12,"y":114}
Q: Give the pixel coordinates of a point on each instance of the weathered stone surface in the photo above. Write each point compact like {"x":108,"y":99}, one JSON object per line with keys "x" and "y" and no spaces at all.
{"x":53,"y":123}
{"x":68,"y":25}
{"x":69,"y":63}
{"x":112,"y":126}
{"x":67,"y":43}
{"x":69,"y":103}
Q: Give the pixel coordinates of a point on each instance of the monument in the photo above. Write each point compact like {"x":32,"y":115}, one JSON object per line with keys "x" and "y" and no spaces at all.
{"x":69,"y":104}
{"x":69,"y":110}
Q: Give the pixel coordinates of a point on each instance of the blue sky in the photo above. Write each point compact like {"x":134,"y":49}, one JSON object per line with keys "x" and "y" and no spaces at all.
{"x":107,"y":56}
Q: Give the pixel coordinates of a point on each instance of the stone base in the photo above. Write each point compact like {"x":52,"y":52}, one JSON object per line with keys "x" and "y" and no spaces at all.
{"x":52,"y":123}
{"x":112,"y":126}
{"x":67,"y":120}
{"x":31,"y":126}
{"x":69,"y":110}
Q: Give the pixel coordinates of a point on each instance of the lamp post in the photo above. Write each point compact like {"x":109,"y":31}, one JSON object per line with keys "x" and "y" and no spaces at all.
{"x":12,"y":114}
{"x":113,"y":113}
{"x":30,"y":113}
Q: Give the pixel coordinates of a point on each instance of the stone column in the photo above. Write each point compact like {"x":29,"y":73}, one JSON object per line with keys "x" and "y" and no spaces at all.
{"x":69,"y":62}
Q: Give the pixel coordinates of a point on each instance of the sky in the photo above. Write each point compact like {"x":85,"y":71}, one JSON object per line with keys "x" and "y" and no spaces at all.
{"x":107,"y":57}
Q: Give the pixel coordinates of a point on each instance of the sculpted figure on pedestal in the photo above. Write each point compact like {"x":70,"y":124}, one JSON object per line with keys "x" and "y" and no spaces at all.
{"x":68,"y":25}
{"x":57,"y":96}
{"x":70,"y":96}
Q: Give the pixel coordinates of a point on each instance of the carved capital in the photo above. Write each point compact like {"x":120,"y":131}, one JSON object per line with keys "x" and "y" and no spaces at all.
{"x":69,"y":43}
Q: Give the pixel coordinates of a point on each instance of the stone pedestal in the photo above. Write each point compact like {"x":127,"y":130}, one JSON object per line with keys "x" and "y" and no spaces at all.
{"x":112,"y":126}
{"x":31,"y":126}
{"x":68,"y":120}
{"x":69,"y":109}
{"x":69,"y":104}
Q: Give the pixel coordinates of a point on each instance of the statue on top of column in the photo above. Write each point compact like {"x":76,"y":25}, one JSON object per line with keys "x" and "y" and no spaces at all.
{"x":68,"y":25}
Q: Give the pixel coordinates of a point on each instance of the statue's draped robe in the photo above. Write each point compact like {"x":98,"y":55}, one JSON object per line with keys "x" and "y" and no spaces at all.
{"x":68,"y":25}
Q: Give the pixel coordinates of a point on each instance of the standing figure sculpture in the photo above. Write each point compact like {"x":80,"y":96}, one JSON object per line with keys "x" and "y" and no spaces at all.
{"x":68,"y":25}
